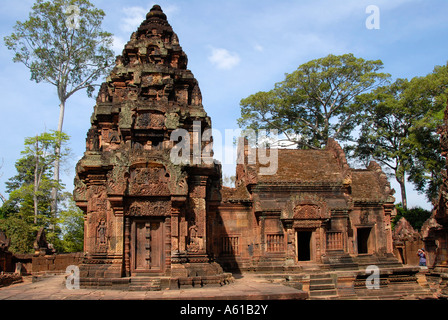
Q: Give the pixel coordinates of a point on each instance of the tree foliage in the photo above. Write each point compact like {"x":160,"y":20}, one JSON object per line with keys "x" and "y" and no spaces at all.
{"x":71,"y":222}
{"x":399,"y":130}
{"x":21,"y":234}
{"x":315,"y":102}
{"x":62,"y":43}
{"x":29,"y":191}
{"x":70,"y":58}
{"x":28,"y":207}
{"x":415,"y":216}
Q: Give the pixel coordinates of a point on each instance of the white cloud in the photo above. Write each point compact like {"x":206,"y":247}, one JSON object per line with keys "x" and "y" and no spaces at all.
{"x":224,"y":59}
{"x":258,"y":47}
{"x":118,"y":44}
{"x":133,"y":17}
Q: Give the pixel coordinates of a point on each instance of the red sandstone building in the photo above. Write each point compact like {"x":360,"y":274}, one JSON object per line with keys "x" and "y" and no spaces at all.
{"x":148,"y":218}
{"x":314,"y":212}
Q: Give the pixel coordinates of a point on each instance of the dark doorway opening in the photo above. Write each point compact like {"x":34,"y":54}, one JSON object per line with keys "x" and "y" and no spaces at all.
{"x":401,"y":255}
{"x":363,"y":240}
{"x":304,"y":245}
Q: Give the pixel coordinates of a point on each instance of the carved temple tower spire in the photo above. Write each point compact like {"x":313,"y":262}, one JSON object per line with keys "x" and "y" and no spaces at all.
{"x":145,"y":214}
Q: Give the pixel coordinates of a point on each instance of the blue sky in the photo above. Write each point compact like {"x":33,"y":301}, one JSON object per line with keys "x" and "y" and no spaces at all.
{"x":235,"y":49}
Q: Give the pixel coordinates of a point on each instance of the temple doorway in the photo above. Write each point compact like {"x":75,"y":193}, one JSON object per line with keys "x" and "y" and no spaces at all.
{"x":364,"y":240}
{"x":303,"y":239}
{"x":147,"y":246}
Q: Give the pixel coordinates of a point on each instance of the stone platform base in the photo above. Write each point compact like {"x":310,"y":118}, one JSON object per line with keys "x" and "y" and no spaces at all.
{"x":437,"y":279}
{"x":180,"y":276}
{"x":399,"y":283}
{"x":8,"y":279}
{"x":156,"y":283}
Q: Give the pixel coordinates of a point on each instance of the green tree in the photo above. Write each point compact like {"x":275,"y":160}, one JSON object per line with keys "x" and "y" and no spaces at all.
{"x":21,"y":233}
{"x":415,"y":216}
{"x":315,"y":102}
{"x":30,"y":190}
{"x":427,"y":162}
{"x":28,"y":207}
{"x":45,"y":151}
{"x":63,"y":44}
{"x":385,"y":130}
{"x":71,"y":221}
{"x":399,"y":130}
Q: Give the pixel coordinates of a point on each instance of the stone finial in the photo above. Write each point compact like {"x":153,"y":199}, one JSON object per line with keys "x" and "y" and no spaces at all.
{"x":156,"y":12}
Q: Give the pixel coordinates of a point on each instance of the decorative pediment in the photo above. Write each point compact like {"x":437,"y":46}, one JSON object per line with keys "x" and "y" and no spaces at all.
{"x":305,"y":207}
{"x":307,"y":211}
{"x":152,"y":181}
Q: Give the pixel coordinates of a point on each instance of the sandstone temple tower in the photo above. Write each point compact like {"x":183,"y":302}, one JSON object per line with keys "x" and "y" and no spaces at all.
{"x":152,"y":222}
{"x":144,"y":215}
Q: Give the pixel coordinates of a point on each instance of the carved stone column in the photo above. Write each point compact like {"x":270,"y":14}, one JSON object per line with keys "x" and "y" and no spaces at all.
{"x":175,"y":212}
{"x":388,"y":209}
{"x":127,"y":246}
{"x":197,"y":225}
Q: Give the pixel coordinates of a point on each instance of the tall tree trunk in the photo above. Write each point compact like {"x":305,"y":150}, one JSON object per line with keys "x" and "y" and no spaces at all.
{"x":2,"y":197}
{"x":36,"y":181}
{"x":54,"y":191}
{"x":402,"y":182}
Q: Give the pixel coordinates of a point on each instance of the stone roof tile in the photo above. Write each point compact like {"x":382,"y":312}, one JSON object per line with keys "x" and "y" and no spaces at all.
{"x":315,"y":166}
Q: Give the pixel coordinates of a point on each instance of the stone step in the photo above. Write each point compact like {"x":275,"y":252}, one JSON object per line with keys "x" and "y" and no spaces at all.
{"x":319,"y":287}
{"x":319,"y":293}
{"x":145,"y":284}
{"x":322,"y":286}
{"x":321,"y":281}
{"x":144,"y":280}
{"x":144,"y":288}
{"x":320,"y":276}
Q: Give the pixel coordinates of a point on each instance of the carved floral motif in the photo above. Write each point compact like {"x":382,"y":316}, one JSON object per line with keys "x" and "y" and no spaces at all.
{"x":307,"y":211}
{"x":149,"y":208}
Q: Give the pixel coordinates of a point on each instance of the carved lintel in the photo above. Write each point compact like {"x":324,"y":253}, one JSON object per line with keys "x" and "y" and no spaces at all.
{"x":148,"y":208}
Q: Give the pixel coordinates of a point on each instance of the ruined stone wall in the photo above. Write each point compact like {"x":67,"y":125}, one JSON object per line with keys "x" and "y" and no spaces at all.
{"x":6,"y":264}
{"x":407,"y":242}
{"x":236,"y":242}
{"x":56,"y":263}
{"x":26,"y":262}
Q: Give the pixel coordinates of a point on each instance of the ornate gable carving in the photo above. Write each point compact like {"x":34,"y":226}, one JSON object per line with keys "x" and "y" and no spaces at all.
{"x":149,"y":182}
{"x":305,"y":207}
{"x":307,"y":211}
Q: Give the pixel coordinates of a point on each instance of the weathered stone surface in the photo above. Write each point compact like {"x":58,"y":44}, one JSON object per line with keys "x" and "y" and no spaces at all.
{"x":143,"y":213}
{"x":147,"y":217}
{"x":407,"y":242}
{"x":315,"y":211}
{"x":5,"y":255}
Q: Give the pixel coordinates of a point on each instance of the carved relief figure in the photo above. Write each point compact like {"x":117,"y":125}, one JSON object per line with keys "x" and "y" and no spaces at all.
{"x":101,"y":233}
{"x":194,"y":243}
